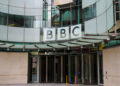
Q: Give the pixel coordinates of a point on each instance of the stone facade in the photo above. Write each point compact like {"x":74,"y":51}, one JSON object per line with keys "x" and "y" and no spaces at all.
{"x":111,"y":63}
{"x":13,"y":68}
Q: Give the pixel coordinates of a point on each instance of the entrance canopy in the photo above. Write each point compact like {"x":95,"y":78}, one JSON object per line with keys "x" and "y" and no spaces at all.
{"x":83,"y":41}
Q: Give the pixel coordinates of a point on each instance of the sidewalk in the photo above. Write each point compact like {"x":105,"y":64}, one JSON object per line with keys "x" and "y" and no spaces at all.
{"x":50,"y":84}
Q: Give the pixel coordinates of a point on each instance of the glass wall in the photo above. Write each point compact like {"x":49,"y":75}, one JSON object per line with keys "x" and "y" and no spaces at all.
{"x":69,"y":14}
{"x":21,"y":13}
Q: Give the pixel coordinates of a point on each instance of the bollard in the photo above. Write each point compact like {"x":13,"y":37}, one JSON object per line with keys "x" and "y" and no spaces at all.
{"x":75,"y":79}
{"x":66,"y":80}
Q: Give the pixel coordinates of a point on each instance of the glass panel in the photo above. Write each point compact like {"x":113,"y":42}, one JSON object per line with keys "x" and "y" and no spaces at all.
{"x":118,"y":16}
{"x":3,"y":19}
{"x":45,"y":12}
{"x":37,"y":21}
{"x":58,"y":68}
{"x":90,"y":12}
{"x":34,"y":69}
{"x":65,"y":17}
{"x":86,"y":69}
{"x":55,"y":17}
{"x":72,"y":69}
{"x":118,"y":9}
{"x":74,"y":15}
{"x":29,"y":21}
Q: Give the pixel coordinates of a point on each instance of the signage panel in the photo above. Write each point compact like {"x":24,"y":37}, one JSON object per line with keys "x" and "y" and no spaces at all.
{"x":76,"y":31}
{"x":49,"y":34}
{"x":63,"y":33}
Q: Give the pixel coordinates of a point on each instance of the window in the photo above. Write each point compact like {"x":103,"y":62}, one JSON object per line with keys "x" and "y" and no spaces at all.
{"x":16,"y":20}
{"x":90,"y":12}
{"x":19,"y":20}
{"x":117,"y":9}
{"x":3,"y":19}
{"x":70,"y":16}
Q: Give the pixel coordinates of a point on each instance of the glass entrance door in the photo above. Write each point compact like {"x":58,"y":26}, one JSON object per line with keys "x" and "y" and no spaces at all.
{"x":43,"y":69}
{"x":79,"y":69}
{"x":65,"y":68}
{"x":100,"y":68}
{"x":86,"y":69}
{"x":90,"y":68}
{"x":32,"y":69}
{"x":71,"y":68}
{"x":57,"y":69}
{"x":50,"y":69}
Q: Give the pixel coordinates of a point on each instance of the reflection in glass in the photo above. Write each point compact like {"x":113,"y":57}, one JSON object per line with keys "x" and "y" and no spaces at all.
{"x":90,"y":12}
{"x":15,"y":20}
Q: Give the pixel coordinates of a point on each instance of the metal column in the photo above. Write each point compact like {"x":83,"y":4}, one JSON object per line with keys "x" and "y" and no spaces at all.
{"x":46,"y":69}
{"x":90,"y":76}
{"x":98,"y":69}
{"x":69,"y":69}
{"x":76,"y":67}
{"x":61,"y":69}
{"x":54,"y":68}
{"x":82,"y":66}
{"x":38,"y":70}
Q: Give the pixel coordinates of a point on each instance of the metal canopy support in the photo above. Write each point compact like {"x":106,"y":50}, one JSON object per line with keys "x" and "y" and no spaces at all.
{"x":11,"y":46}
{"x":62,"y":44}
{"x":74,"y":43}
{"x":36,"y":46}
{"x":50,"y":46}
{"x":85,"y":40}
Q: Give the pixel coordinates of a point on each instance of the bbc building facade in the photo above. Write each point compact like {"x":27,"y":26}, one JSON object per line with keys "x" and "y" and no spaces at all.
{"x":60,"y":41}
